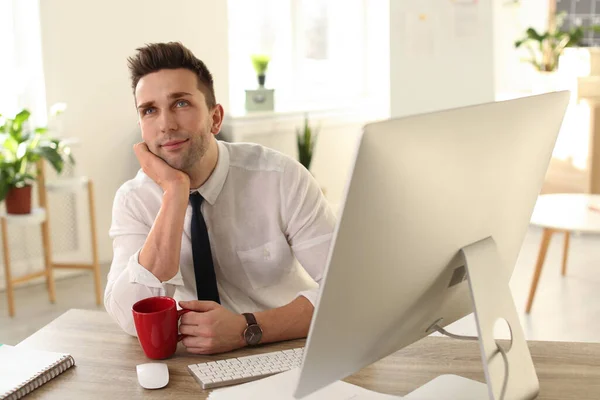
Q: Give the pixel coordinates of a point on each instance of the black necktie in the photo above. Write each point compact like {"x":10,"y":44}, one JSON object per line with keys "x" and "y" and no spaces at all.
{"x":206,"y":281}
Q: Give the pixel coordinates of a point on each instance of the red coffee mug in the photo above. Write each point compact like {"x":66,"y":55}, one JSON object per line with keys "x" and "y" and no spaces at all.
{"x":156,"y":321}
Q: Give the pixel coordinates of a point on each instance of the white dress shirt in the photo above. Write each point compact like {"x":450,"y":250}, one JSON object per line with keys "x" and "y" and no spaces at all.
{"x":269,"y":227}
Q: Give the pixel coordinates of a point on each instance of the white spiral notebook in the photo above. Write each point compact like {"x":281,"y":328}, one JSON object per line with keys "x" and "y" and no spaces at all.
{"x":23,"y":370}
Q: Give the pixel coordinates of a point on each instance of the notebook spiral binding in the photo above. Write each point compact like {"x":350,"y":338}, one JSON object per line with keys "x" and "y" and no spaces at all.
{"x":42,"y":377}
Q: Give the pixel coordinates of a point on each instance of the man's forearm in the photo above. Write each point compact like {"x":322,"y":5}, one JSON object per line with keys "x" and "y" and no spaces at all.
{"x":161,"y":251}
{"x":291,"y":321}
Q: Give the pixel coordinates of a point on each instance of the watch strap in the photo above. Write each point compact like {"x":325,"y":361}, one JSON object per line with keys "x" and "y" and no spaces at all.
{"x":250,"y":319}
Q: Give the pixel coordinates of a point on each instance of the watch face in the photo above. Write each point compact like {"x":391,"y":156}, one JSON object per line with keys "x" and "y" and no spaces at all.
{"x":253,"y":334}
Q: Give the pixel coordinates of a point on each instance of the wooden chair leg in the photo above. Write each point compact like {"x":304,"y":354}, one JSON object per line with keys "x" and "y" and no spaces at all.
{"x":47,"y":247}
{"x":8,"y":277}
{"x":95,"y":262}
{"x":546,"y":236}
{"x":565,"y":253}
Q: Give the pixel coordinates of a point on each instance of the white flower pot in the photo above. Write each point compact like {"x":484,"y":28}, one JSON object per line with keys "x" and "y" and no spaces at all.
{"x":544,"y":82}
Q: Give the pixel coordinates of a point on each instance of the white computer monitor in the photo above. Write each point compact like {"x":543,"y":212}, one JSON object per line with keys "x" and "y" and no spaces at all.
{"x":429,"y":194}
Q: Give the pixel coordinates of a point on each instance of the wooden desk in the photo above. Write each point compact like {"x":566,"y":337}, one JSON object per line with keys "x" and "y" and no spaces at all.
{"x":106,"y":358}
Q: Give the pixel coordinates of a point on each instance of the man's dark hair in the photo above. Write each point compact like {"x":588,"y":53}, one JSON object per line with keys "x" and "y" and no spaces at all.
{"x":173,"y":55}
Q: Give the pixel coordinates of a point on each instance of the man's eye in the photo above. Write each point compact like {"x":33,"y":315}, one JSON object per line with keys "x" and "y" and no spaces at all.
{"x":182,"y":103}
{"x":149,"y":111}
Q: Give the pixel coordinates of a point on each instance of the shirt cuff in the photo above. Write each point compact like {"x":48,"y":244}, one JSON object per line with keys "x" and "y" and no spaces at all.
{"x":312,"y":296}
{"x":139,"y":274}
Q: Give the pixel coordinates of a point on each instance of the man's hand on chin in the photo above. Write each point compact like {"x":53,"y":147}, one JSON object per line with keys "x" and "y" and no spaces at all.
{"x":211,"y":328}
{"x":160,"y":172}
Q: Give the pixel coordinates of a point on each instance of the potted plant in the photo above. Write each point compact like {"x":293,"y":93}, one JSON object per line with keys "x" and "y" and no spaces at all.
{"x":545,"y":48}
{"x":21,"y":150}
{"x":260,"y":62}
{"x":306,"y":140}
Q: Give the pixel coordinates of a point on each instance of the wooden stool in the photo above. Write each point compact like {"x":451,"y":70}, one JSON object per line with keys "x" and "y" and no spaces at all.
{"x":37,"y":216}
{"x":40,"y":216}
{"x":72,"y":185}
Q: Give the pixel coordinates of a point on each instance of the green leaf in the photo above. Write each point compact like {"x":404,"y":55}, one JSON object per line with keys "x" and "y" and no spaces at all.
{"x":521,"y":42}
{"x":306,"y":140}
{"x":10,"y":144}
{"x":22,"y":150}
{"x":53,"y":157}
{"x":260,"y":62}
{"x":534,"y":35}
{"x":16,"y":127}
{"x":21,"y":117}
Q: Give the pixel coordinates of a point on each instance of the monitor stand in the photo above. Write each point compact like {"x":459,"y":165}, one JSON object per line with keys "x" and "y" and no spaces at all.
{"x":492,"y":300}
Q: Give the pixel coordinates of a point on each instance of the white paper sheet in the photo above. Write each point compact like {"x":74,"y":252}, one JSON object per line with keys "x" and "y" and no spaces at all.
{"x":466,"y":19}
{"x":450,"y":387}
{"x":282,"y":386}
{"x":419,"y":34}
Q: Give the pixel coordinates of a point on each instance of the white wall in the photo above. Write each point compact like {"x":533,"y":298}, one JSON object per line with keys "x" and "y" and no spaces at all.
{"x":510,"y":22}
{"x":85,"y":45}
{"x":441,"y":55}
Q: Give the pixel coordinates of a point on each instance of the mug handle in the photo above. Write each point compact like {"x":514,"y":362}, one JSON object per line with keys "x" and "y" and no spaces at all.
{"x":179,"y":314}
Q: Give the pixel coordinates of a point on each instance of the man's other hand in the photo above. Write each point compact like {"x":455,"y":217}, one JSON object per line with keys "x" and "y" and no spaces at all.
{"x":211,"y":328}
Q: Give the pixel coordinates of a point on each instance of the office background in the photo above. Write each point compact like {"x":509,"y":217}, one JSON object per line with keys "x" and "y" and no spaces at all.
{"x":342,"y":63}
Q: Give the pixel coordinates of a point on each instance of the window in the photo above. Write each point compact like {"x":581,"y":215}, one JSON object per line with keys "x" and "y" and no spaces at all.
{"x":21,"y":71}
{"x":8,"y":100}
{"x":318,"y":50}
{"x":329,"y":50}
{"x":581,"y":13}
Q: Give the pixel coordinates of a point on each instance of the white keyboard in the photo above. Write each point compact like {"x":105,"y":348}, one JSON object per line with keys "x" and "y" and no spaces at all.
{"x":232,"y":371}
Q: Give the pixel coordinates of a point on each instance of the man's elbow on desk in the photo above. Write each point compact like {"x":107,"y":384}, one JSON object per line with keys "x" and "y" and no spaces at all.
{"x":119,"y":298}
{"x":122,"y":319}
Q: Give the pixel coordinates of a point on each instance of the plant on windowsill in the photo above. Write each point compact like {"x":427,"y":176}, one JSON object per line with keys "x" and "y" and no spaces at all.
{"x":21,"y":150}
{"x":260,"y":62}
{"x":306,"y":140}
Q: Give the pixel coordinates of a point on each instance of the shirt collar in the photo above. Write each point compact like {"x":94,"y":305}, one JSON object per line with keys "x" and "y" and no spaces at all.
{"x":211,"y":189}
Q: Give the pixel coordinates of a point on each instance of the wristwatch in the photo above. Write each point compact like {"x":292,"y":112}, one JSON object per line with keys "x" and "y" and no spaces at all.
{"x":253,"y":332}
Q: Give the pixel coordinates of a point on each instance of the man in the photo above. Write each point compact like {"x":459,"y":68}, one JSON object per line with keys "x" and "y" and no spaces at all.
{"x":226,"y":229}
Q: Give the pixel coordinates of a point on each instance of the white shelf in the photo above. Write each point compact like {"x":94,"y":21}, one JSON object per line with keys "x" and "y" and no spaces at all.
{"x":245,"y":127}
{"x":37,"y":216}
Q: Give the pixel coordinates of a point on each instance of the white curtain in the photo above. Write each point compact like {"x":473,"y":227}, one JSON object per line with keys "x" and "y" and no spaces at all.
{"x":21,"y":68}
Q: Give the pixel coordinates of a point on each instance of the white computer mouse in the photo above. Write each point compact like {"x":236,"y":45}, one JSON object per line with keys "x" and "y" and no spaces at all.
{"x":153,"y":375}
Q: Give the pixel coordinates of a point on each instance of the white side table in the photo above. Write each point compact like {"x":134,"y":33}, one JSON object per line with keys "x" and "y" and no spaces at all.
{"x":562,"y":213}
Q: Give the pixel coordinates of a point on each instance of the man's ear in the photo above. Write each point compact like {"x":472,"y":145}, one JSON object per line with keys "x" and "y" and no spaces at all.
{"x":217,"y":119}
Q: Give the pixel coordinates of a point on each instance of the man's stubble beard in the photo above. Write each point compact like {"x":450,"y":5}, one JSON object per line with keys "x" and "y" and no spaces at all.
{"x":197,"y":149}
